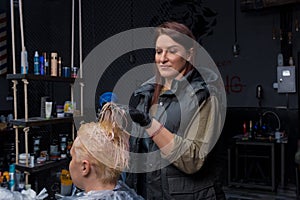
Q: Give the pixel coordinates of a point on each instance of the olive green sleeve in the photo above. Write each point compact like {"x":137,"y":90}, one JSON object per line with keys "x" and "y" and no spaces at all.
{"x":188,"y":153}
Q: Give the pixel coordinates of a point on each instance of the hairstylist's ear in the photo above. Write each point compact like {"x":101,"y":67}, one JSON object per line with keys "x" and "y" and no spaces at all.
{"x":190,"y":52}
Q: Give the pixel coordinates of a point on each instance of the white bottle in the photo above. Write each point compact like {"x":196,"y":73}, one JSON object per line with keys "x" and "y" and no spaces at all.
{"x":280,"y":59}
{"x":24,"y":62}
{"x":36,"y":63}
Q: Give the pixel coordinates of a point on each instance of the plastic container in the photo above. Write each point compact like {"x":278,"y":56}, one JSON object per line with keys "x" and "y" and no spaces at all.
{"x":24,"y":62}
{"x":12,"y":181}
{"x":66,"y":72}
{"x":36,"y":67}
{"x":42,"y":65}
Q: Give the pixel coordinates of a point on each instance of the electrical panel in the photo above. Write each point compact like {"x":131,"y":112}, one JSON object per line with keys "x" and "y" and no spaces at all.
{"x":286,"y":79}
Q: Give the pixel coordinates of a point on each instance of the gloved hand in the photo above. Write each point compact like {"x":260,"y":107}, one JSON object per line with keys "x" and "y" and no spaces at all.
{"x":134,"y":100}
{"x":140,"y":117}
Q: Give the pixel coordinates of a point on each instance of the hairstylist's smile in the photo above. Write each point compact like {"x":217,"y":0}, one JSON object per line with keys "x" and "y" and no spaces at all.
{"x":165,"y":66}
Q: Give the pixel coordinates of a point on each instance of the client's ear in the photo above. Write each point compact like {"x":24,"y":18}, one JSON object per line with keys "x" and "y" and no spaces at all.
{"x":85,"y":167}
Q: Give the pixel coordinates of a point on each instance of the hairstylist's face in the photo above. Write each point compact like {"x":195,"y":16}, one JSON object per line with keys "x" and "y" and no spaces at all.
{"x":170,"y":57}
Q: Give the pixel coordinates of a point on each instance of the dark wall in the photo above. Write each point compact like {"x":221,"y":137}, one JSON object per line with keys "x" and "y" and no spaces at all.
{"x":257,"y":62}
{"x":5,"y":105}
{"x":256,"y":65}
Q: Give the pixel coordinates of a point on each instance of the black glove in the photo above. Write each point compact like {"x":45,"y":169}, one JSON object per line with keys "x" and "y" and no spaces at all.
{"x":134,"y":100}
{"x":140,"y":117}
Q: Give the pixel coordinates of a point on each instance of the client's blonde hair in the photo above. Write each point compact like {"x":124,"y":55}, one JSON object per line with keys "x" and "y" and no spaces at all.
{"x":105,"y":143}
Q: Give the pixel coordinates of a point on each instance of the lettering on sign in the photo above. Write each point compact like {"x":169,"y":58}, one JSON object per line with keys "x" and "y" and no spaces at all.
{"x":233,"y":84}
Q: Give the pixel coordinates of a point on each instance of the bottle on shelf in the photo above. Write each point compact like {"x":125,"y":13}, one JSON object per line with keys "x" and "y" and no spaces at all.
{"x":53,"y":64}
{"x":36,"y":140}
{"x":20,"y":182}
{"x":63,"y":145}
{"x":54,"y":151}
{"x":245,"y":129}
{"x":251,"y":133}
{"x":32,"y":160}
{"x":59,"y":66}
{"x":46,"y":64}
{"x":36,"y":67}
{"x":54,"y":111}
{"x":12,"y":183}
{"x":42,"y":65}
{"x":24,"y":62}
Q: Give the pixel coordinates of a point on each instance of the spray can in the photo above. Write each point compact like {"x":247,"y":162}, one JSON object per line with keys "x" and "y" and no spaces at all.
{"x":53,"y":64}
{"x":36,"y":63}
{"x":42,"y":72}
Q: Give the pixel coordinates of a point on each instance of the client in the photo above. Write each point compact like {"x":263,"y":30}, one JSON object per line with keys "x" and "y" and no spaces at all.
{"x":99,"y":155}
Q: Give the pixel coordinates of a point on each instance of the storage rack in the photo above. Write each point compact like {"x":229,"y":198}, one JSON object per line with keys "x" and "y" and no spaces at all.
{"x":27,"y":122}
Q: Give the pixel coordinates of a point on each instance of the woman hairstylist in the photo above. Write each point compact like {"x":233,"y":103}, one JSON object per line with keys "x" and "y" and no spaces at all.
{"x":176,"y":125}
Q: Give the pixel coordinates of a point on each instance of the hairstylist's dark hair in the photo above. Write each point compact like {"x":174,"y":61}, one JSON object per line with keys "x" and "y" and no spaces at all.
{"x":180,"y":34}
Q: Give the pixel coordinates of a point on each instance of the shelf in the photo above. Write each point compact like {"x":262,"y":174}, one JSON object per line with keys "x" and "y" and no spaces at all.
{"x":39,"y":121}
{"x":43,"y":166}
{"x":40,"y":78}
